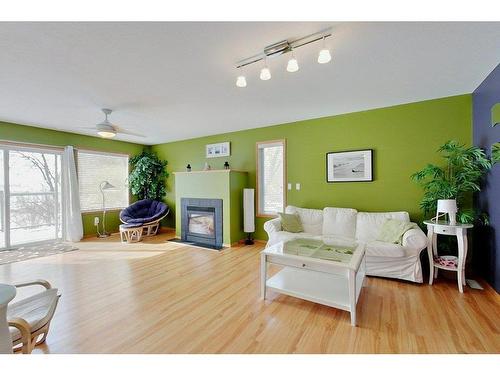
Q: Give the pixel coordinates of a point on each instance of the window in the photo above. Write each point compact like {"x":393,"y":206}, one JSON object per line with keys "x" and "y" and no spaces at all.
{"x":271,"y":169}
{"x":95,"y":168}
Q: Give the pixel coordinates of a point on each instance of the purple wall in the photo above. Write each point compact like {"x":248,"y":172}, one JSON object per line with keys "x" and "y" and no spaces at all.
{"x":487,"y":240}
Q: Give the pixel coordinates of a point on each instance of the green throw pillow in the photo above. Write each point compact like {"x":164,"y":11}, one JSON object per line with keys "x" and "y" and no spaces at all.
{"x":392,"y":230}
{"x":291,"y":223}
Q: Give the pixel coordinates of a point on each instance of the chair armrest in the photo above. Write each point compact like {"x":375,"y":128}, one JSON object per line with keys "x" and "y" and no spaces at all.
{"x":272,"y":226}
{"x":21,"y":324}
{"x":41,"y":282}
{"x":415,"y":238}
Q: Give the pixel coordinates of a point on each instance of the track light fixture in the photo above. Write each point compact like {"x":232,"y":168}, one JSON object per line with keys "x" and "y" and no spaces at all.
{"x":281,"y":48}
{"x":265,"y":73}
{"x":241,"y":81}
{"x":324,"y":55}
{"x":292,"y":65}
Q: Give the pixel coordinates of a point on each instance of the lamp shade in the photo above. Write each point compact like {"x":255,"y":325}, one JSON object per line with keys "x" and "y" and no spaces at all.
{"x":248,"y":210}
{"x":447,"y":205}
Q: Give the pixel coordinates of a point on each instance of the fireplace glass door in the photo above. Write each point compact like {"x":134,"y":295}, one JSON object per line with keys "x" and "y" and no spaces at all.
{"x":201,"y":222}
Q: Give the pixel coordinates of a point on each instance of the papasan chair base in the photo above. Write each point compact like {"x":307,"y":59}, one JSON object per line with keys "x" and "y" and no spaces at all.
{"x":141,"y":219}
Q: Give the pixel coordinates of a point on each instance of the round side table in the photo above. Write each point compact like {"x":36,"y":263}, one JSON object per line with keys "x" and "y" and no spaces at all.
{"x":456,"y":264}
{"x":7,"y":294}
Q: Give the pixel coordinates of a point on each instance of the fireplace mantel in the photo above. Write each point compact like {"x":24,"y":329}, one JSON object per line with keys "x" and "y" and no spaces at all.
{"x":225,"y":184}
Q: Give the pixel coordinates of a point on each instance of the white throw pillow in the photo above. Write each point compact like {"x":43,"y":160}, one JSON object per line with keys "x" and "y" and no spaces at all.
{"x":311,"y":219}
{"x":339,"y":222}
{"x":369,"y":224}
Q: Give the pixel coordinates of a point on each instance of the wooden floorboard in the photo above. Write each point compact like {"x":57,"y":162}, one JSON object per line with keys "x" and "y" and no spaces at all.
{"x":165,"y":297}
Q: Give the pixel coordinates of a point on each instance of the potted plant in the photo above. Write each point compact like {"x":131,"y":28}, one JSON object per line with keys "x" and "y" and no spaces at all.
{"x":459,"y":176}
{"x":147,"y":179}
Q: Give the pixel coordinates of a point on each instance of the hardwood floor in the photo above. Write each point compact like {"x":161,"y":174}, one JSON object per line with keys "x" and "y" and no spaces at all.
{"x":164,"y":297}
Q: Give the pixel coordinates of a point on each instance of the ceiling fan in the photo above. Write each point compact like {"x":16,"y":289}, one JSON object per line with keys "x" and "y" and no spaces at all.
{"x":108,"y":130}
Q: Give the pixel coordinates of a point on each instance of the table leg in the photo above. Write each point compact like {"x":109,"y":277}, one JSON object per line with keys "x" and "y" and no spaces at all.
{"x":430,"y":252}
{"x":352,"y":296}
{"x":263,"y":276}
{"x":462,"y":248}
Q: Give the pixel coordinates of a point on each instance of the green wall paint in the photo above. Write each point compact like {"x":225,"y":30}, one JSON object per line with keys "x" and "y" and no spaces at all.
{"x":404,"y":139}
{"x":30,"y":134}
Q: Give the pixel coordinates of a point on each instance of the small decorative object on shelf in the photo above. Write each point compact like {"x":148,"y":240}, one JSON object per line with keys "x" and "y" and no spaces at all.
{"x":226,"y":165}
{"x":188,"y":168}
{"x":206,"y":167}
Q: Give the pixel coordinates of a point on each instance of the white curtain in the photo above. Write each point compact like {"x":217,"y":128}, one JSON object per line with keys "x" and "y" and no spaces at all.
{"x":72,"y":216}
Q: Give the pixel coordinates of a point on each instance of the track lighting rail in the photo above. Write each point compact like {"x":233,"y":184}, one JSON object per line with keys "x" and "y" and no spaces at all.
{"x":285,"y":46}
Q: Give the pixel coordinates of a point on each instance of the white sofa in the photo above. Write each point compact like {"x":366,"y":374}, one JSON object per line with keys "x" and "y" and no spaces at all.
{"x":382,"y":258}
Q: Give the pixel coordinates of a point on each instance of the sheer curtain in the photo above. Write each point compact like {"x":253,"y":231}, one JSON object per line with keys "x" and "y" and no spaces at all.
{"x":72,"y":216}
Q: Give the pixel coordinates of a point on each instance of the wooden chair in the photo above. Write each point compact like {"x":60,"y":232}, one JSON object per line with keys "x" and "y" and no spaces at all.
{"x":29,"y":319}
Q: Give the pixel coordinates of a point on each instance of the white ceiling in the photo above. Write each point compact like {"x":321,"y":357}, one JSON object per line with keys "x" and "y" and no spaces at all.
{"x":173,"y":81}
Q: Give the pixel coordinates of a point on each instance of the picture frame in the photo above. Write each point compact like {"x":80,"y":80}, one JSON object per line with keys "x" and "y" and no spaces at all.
{"x":218,"y":150}
{"x":349,"y":166}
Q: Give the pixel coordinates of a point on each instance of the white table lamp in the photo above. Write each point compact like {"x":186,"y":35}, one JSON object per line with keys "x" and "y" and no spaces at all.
{"x":447,"y":206}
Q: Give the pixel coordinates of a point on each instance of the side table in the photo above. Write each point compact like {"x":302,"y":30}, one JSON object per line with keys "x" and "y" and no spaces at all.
{"x":447,"y":263}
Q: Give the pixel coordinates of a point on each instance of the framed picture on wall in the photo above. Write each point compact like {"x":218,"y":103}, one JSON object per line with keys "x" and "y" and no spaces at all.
{"x":217,"y":150}
{"x":349,"y":166}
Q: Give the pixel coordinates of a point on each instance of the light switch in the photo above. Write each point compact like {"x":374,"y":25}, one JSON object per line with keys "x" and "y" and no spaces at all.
{"x":297,"y":186}
{"x":289,"y":186}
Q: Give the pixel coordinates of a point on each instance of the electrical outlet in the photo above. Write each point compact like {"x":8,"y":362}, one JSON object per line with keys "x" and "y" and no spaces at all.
{"x":96,"y":220}
{"x":297,"y":186}
{"x":289,"y":186}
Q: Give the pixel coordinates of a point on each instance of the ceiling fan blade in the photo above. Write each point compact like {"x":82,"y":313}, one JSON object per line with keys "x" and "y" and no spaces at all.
{"x":125,"y":131}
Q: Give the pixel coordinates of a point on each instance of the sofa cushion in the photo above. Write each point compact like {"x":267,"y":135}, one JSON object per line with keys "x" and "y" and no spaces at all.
{"x":291,"y":223}
{"x":339,"y":222}
{"x":369,"y":224}
{"x":311,"y":219}
{"x":384,"y":249}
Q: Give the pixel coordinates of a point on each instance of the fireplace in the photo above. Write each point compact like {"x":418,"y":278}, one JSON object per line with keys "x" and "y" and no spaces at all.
{"x":201,"y":221}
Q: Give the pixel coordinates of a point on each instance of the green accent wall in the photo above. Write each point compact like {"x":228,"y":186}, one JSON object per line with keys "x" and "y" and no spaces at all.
{"x":225,"y":185}
{"x":404,"y":138}
{"x":29,"y":134}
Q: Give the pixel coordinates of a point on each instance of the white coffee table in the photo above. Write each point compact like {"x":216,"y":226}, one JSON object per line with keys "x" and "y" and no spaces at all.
{"x":331,"y":274}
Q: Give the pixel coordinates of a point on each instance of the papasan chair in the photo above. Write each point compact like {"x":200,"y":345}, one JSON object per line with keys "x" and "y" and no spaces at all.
{"x":142,"y":218}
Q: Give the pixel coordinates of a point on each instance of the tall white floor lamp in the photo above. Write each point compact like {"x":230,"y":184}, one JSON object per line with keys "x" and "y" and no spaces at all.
{"x":103,"y":186}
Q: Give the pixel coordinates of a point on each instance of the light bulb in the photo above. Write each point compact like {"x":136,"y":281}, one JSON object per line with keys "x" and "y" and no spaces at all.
{"x":265,"y":73}
{"x":106,"y":134}
{"x":292,"y":65}
{"x":324,"y":56}
{"x":241,"y":81}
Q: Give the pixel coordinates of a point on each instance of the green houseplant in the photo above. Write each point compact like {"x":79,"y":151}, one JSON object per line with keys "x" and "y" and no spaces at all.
{"x":147,"y":179}
{"x":459,"y":176}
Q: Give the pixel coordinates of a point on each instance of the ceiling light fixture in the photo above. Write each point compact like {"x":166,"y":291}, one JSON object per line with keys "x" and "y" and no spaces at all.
{"x":292,"y":65}
{"x":283,"y":47}
{"x":265,"y":73}
{"x":324,"y":55}
{"x":241,"y":81}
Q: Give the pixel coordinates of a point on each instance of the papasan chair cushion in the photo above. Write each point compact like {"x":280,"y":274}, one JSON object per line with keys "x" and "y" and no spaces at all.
{"x":143,"y":212}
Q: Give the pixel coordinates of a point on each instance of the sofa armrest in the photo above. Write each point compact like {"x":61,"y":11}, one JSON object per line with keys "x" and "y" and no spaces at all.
{"x":272,"y":226}
{"x":415,"y":238}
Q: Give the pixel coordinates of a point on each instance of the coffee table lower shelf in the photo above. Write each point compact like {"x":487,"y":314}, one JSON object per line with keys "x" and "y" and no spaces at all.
{"x":319,"y":287}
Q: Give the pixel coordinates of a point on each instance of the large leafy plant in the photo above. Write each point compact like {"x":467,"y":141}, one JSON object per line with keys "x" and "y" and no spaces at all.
{"x":147,"y":179}
{"x":459,"y":176}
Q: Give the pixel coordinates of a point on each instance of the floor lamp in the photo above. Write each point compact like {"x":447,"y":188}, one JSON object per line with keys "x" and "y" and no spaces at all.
{"x":103,"y":186}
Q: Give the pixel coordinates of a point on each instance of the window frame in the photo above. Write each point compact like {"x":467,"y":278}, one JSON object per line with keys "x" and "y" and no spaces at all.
{"x":89,"y":151}
{"x":258,"y":176}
